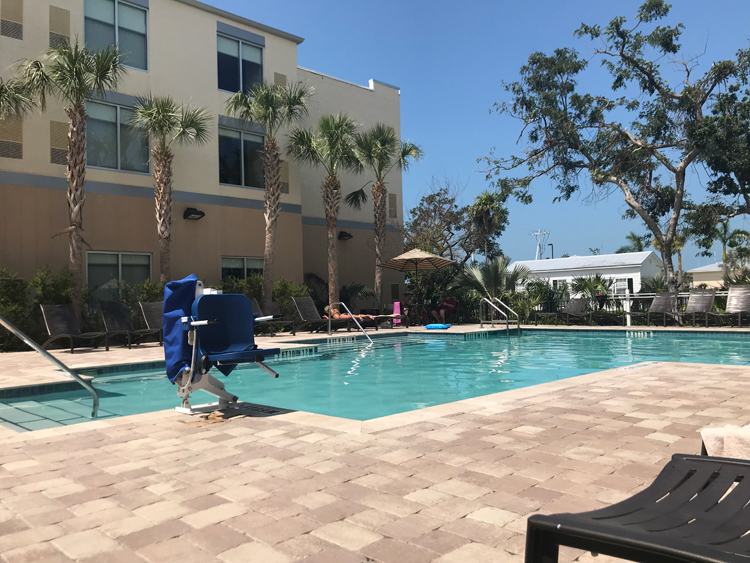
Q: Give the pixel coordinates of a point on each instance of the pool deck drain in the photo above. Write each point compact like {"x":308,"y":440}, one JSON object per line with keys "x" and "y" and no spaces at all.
{"x":450,"y":483}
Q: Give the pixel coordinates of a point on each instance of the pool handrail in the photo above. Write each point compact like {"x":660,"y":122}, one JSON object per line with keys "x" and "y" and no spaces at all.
{"x":350,"y":314}
{"x":492,"y":321}
{"x":518,"y":319}
{"x":20,"y":334}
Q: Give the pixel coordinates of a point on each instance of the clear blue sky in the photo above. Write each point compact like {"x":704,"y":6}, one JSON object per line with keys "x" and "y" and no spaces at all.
{"x":449,"y":59}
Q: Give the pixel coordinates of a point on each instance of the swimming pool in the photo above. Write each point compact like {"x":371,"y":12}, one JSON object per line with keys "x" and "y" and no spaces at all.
{"x":395,"y":374}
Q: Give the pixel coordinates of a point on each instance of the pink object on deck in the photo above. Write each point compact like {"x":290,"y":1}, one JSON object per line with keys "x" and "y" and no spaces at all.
{"x":396,"y":311}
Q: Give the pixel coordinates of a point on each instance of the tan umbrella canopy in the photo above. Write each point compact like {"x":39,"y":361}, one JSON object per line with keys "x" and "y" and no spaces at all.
{"x":417,"y":260}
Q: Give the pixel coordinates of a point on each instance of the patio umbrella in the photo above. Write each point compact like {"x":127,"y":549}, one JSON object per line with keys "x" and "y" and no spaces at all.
{"x":416,"y":261}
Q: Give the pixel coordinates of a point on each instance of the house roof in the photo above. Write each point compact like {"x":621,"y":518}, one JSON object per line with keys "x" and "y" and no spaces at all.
{"x":717,"y":267}
{"x":600,"y":262}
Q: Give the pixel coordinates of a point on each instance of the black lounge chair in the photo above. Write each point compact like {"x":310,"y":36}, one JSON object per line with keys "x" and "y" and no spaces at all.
{"x":61,"y":323}
{"x":311,"y":318}
{"x":701,"y":301}
{"x":663,"y":304}
{"x":696,"y":510}
{"x":117,"y":322}
{"x":574,"y":308}
{"x":738,"y":302}
{"x":152,"y":315}
{"x":384,"y":318}
{"x":275,"y":322}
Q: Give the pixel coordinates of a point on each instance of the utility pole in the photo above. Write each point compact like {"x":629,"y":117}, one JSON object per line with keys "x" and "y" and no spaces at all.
{"x":552,"y":246}
{"x":539,"y":244}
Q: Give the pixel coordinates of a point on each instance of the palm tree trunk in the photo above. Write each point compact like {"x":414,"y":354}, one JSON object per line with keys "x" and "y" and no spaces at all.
{"x":162,"y":157}
{"x":272,"y":171}
{"x":679,"y":268}
{"x":75,"y":174}
{"x":332,"y":204}
{"x":380,"y":201}
{"x":666,"y":256}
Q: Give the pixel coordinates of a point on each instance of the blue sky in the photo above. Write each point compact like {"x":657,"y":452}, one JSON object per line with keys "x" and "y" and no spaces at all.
{"x":449,"y":59}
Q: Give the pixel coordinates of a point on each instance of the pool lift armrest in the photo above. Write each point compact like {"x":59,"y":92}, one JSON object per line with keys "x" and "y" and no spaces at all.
{"x":196,"y":377}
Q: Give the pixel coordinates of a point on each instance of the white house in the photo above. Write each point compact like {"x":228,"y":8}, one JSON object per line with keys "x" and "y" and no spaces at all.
{"x":627,"y":269}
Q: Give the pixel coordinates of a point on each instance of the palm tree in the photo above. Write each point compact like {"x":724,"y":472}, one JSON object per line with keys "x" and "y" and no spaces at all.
{"x":492,"y":279}
{"x":728,"y":237}
{"x":635,"y":244}
{"x":73,"y":74}
{"x":378,"y":149}
{"x":592,"y":285}
{"x":15,"y":99}
{"x":330,"y":145}
{"x":488,"y":213}
{"x":272,"y":107}
{"x":166,"y":123}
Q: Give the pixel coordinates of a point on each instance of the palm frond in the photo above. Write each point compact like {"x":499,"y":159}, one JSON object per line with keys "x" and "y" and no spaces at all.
{"x":107,"y":70}
{"x":409,"y":153}
{"x":37,"y":81}
{"x":166,"y":121}
{"x":240,"y":105}
{"x":304,"y":147}
{"x":15,"y":99}
{"x":356,"y":199}
{"x":193,"y":126}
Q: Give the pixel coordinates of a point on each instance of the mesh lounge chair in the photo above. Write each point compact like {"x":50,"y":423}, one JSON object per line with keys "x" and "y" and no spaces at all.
{"x":701,"y":301}
{"x":695,"y":511}
{"x":311,"y":318}
{"x":256,"y":310}
{"x":117,"y":322}
{"x":61,"y":323}
{"x":663,"y":304}
{"x":388,"y":317}
{"x":575,"y":308}
{"x":152,"y":315}
{"x":738,"y":302}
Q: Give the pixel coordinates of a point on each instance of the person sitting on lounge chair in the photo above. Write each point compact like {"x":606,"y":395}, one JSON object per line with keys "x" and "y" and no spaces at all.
{"x":446,"y":307}
{"x":336,"y":314}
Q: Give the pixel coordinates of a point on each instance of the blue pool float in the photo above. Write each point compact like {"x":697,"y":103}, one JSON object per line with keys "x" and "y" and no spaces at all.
{"x":436,"y":326}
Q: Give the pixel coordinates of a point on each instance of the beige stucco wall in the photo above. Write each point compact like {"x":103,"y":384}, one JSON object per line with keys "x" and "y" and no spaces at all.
{"x":182,"y":63}
{"x":711,"y":279}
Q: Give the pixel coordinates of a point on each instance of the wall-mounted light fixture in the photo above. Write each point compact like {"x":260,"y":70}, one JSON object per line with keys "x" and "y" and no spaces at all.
{"x":343,"y":235}
{"x":193,"y":214}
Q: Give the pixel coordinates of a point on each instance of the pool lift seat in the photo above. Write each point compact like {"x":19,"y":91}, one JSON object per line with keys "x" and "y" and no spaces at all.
{"x":220,"y":332}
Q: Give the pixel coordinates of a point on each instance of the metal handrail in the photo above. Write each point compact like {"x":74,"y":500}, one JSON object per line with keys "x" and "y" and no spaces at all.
{"x":491,"y":304}
{"x":350,"y":314}
{"x":20,"y":334}
{"x":518,"y":319}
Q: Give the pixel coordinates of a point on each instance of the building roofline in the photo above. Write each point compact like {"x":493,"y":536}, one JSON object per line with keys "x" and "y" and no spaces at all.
{"x":332,"y":77}
{"x":618,"y":267}
{"x":243,"y":21}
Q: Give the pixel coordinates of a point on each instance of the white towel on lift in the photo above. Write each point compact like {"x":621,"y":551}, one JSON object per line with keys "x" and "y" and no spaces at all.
{"x":729,"y":441}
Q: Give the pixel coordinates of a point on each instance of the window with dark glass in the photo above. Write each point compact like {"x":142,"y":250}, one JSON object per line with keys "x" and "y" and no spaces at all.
{"x":240,"y":159}
{"x":232,"y":267}
{"x":110,"y":140}
{"x":239,"y":64}
{"x":105,"y":271}
{"x":112,"y":22}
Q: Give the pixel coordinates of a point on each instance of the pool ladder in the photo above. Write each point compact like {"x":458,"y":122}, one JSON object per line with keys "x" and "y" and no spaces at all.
{"x":20,"y":334}
{"x":350,"y":314}
{"x":493,"y":303}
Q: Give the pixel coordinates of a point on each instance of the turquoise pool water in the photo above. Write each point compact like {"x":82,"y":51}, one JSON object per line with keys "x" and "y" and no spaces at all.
{"x":395,"y":374}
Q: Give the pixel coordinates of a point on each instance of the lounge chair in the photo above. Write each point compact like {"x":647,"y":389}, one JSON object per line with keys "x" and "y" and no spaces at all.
{"x":311,"y":318}
{"x":663,"y":304}
{"x":275,"y":322}
{"x":694,"y":511}
{"x":117,"y":322}
{"x":204,"y":332}
{"x":738,"y":302}
{"x":152,"y":316}
{"x":701,"y":301}
{"x":61,"y":323}
{"x":574,"y":308}
{"x":389,"y":317}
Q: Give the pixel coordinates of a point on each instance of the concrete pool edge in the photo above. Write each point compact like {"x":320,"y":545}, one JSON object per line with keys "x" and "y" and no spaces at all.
{"x":490,"y":404}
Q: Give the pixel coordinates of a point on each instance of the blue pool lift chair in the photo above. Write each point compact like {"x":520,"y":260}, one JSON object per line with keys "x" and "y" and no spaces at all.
{"x":218,"y":332}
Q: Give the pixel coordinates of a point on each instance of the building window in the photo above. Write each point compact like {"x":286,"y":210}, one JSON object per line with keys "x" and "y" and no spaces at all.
{"x":621,"y":284}
{"x":394,"y":291}
{"x":59,"y":27}
{"x":392,"y":206}
{"x":240,"y":159}
{"x":11,"y":138}
{"x":240,"y":267}
{"x":104,"y":271}
{"x":239,"y":64}
{"x":11,"y":19}
{"x":58,"y":142}
{"x":111,"y":142}
{"x":113,"y":22}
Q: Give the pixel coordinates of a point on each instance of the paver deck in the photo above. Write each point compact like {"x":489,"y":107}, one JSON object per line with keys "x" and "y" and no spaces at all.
{"x":451,"y":483}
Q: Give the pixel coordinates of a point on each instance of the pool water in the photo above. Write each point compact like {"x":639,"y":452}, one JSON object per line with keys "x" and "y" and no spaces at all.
{"x":358,"y":380}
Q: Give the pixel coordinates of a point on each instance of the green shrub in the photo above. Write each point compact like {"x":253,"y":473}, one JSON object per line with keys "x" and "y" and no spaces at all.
{"x":283,"y":291}
{"x":51,"y":289}
{"x":14,"y":306}
{"x":148,"y":291}
{"x":250,"y":286}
